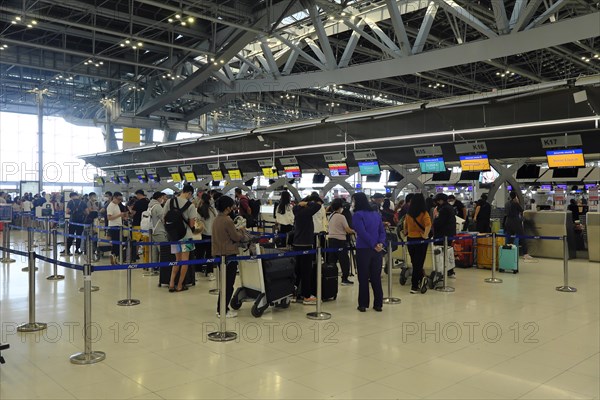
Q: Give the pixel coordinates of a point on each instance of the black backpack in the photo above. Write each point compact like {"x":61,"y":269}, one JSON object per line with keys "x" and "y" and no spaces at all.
{"x":254,"y":205}
{"x":175,"y":223}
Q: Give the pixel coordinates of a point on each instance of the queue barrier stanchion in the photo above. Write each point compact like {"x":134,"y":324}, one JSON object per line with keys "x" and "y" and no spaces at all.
{"x":565,"y":287}
{"x":121,"y":259}
{"x":216,"y":290}
{"x":6,"y":239}
{"x":493,"y":279}
{"x":30,"y":246}
{"x":319,"y":314}
{"x":55,"y":276}
{"x":222,"y":335}
{"x":31,"y":326}
{"x":88,"y":356}
{"x":88,"y":248}
{"x":128,"y":301}
{"x":444,"y":288}
{"x":65,"y":233}
{"x":390,"y":262}
{"x":47,"y":232}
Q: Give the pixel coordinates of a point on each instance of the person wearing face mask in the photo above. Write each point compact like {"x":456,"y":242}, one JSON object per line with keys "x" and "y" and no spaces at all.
{"x":106,"y":201}
{"x":184,"y":247}
{"x":159,"y":234}
{"x":459,"y":210}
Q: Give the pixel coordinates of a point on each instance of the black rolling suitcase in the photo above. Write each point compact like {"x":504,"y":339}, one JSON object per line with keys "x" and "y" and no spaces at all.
{"x":164,"y":277}
{"x":329,"y":282}
{"x":279,"y":275}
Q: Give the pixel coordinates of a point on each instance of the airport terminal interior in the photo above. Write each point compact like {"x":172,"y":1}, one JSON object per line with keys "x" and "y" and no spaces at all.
{"x":493,"y":105}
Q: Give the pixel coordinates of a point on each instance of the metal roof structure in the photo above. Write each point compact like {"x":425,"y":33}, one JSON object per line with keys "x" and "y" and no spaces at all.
{"x":212,"y":67}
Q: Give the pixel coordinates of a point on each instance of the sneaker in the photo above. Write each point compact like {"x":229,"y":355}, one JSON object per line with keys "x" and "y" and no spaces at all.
{"x":346,"y":282}
{"x":211,"y":277}
{"x":78,"y":251}
{"x":527,"y":257}
{"x":65,"y":253}
{"x":451,"y":274}
{"x":309,"y":301}
{"x":229,"y":314}
{"x":414,"y":291}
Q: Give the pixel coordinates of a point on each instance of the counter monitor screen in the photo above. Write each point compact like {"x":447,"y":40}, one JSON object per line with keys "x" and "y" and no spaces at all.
{"x":563,"y":187}
{"x":114,"y":179}
{"x":292,"y":171}
{"x":99,"y":181}
{"x":235,"y":174}
{"x":441,"y":176}
{"x":124,"y":179}
{"x":190,"y":176}
{"x":318,"y":178}
{"x":338,"y":169}
{"x":369,"y":168}
{"x":216,"y":175}
{"x":269,"y":173}
{"x":142,"y":178}
{"x":469,"y":176}
{"x":475,"y":162}
{"x":546,"y":187}
{"x":176,"y":176}
{"x":432,"y":165}
{"x":528,"y":171}
{"x":565,"y":173}
{"x":153,"y":176}
{"x":567,"y":158}
{"x":590,"y":186}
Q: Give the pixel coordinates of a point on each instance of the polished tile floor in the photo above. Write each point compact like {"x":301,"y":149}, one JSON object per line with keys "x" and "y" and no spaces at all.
{"x":517,"y":339}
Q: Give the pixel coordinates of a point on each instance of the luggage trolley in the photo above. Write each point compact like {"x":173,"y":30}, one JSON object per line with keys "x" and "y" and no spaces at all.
{"x":266,"y":282}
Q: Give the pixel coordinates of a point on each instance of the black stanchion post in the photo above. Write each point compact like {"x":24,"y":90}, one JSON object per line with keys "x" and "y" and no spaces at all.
{"x":87,"y":356}
{"x":493,"y":279}
{"x":390,"y":261}
{"x":31,"y":326}
{"x":55,"y":276}
{"x":445,"y":288}
{"x":128,"y":301}
{"x":565,"y":287}
{"x":5,"y":253}
{"x":222,"y":335}
{"x":319,"y":315}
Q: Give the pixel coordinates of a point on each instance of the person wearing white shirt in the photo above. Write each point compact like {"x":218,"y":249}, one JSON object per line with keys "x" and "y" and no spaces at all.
{"x":284,"y":216}
{"x":206,"y":216}
{"x":115,"y":219}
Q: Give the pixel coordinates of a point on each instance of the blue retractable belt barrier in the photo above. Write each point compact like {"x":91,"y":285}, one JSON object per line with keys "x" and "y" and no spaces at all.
{"x":58,"y":262}
{"x":17,"y":252}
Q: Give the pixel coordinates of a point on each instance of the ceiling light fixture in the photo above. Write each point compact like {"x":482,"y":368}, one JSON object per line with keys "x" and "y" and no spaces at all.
{"x":29,"y":23}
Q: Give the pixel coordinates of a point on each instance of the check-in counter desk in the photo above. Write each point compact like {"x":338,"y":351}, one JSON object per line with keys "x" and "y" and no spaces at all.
{"x":549,"y":223}
{"x":593,"y":235}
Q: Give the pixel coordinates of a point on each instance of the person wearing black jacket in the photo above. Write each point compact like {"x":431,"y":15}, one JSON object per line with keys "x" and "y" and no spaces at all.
{"x":303,"y":240}
{"x":444,"y":224}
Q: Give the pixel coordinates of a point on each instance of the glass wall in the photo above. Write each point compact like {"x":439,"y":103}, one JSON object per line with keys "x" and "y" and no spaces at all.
{"x":63,"y":142}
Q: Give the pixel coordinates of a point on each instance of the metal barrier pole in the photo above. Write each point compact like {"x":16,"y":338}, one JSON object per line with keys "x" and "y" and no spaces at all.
{"x":128,"y":301}
{"x":121,"y":244}
{"x":55,"y":276}
{"x":5,"y":254}
{"x":30,"y":246}
{"x":216,"y":291}
{"x":88,"y":250}
{"x":65,"y":233}
{"x":493,"y":279}
{"x":87,"y":356}
{"x":319,"y":315}
{"x":390,"y":261}
{"x":31,"y":326}
{"x":47,"y":245}
{"x":222,"y":335}
{"x":565,"y":287}
{"x":445,"y":288}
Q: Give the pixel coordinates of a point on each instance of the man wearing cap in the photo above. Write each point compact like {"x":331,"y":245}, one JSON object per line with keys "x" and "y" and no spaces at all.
{"x":140,"y":205}
{"x":377,"y":202}
{"x":444,"y":223}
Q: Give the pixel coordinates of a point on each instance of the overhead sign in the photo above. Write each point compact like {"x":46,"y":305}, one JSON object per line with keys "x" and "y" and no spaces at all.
{"x":231,"y":165}
{"x":213,"y":166}
{"x":288,"y":161}
{"x":266,"y":162}
{"x":469,"y":148}
{"x":428,"y":151}
{"x":364,"y":155}
{"x":561,"y":141}
{"x":334,"y":157}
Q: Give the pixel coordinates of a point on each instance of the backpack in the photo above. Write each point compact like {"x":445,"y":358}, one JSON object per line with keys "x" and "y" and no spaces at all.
{"x":146,"y":221}
{"x":254,"y":207}
{"x":175,"y":223}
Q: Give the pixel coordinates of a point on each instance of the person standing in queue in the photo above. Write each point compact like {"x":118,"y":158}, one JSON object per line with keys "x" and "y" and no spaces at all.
{"x":225,"y":241}
{"x":207,"y":214}
{"x":370,"y":239}
{"x":184,"y":247}
{"x":513,"y":223}
{"x":338,"y":229}
{"x":304,"y":240}
{"x":284,"y":216}
{"x":114,"y":216}
{"x":483,"y":212}
{"x":417,"y":225}
{"x":444,"y":223}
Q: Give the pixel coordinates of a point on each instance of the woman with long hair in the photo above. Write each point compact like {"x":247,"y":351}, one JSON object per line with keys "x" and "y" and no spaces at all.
{"x":370,"y":239}
{"x":207,"y":214}
{"x":284,"y":215}
{"x":417,"y":225}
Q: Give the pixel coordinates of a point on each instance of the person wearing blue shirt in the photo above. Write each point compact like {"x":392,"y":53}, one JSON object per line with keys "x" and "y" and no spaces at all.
{"x":370,"y":239}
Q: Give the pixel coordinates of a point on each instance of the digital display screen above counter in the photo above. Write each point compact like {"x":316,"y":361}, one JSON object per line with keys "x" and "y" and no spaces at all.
{"x":565,"y":158}
{"x":292,"y":171}
{"x":369,"y":168}
{"x":475,"y":162}
{"x":269,"y":173}
{"x":216,"y":175}
{"x":235,"y":174}
{"x":338,"y":169}
{"x":432,"y":165}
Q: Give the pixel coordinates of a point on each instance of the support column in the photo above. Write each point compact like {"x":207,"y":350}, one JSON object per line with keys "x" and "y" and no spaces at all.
{"x":40,"y":100}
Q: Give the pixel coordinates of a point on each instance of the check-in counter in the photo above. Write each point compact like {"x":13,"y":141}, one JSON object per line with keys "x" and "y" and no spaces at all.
{"x":549,"y":223}
{"x":593,"y":235}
